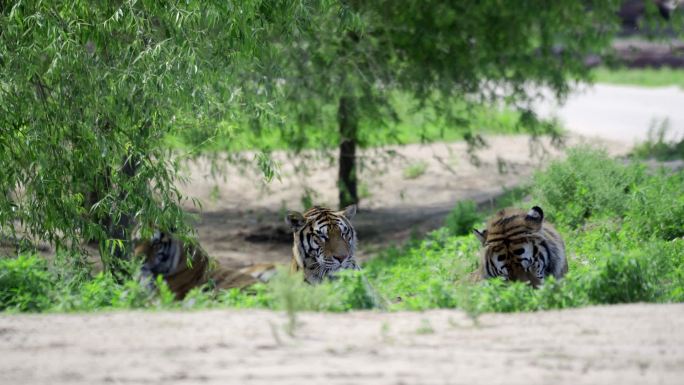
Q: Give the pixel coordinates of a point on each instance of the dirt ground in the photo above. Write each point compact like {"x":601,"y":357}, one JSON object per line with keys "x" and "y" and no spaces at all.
{"x":634,"y":344}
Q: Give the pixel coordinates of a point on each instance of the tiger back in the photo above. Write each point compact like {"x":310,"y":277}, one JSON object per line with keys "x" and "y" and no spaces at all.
{"x":519,"y":245}
{"x":168,"y":256}
{"x":324,"y":242}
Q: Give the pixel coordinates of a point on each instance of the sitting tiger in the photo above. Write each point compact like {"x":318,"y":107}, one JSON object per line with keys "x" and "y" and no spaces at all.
{"x":521,"y":246}
{"x":168,"y":256}
{"x":324,"y":242}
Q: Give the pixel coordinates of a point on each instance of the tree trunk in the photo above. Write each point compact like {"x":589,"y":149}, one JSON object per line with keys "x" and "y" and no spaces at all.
{"x":348,"y":125}
{"x":121,"y":229}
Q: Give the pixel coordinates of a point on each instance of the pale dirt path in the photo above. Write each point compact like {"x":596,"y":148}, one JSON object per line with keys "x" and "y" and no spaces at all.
{"x":620,"y":112}
{"x":634,"y":344}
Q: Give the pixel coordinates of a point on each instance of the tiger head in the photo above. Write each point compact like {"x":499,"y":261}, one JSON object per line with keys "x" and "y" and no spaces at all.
{"x":324,"y":242}
{"x":517,"y":246}
{"x":186,"y":266}
{"x":168,"y":256}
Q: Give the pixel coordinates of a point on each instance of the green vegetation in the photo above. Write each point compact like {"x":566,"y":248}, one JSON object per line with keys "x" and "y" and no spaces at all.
{"x":463,"y":218}
{"x":587,"y":185}
{"x":352,"y":58}
{"x":92,"y":93}
{"x":88,"y":90}
{"x":415,"y":170}
{"x":413,"y":125}
{"x":95,"y":95}
{"x":658,"y":146}
{"x":645,"y":77}
{"x":623,"y":227}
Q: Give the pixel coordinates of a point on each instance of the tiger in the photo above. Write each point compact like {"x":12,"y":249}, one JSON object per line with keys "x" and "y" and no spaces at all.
{"x":168,"y":256}
{"x":519,"y":245}
{"x":324,"y":242}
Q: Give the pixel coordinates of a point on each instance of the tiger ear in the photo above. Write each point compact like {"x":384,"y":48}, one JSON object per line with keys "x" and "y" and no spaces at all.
{"x":481,"y":235}
{"x":535,"y":216}
{"x":295,"y":220}
{"x":349,"y":211}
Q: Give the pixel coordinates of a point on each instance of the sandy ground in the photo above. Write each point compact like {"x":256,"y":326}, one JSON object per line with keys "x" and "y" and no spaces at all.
{"x":635,"y":344}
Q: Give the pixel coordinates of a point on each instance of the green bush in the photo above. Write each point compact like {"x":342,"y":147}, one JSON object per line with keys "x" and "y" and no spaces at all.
{"x":621,"y":278}
{"x":588,"y":183}
{"x":31,"y":283}
{"x":25,"y":284}
{"x":463,"y":218}
{"x":658,"y":146}
{"x":656,"y":207}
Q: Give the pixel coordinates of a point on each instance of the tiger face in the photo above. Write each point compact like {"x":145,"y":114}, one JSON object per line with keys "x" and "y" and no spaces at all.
{"x":324,"y":242}
{"x":520,"y":246}
{"x":186,"y":266}
{"x":167,"y":256}
{"x":163,"y":255}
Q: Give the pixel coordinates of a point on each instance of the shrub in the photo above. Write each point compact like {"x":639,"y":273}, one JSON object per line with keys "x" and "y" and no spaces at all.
{"x":463,"y":218}
{"x":656,"y":207}
{"x":658,"y":146}
{"x":620,"y":278}
{"x":588,"y":183}
{"x":25,"y":284}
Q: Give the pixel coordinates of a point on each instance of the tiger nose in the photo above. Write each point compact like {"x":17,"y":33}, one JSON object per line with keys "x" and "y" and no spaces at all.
{"x":340,"y":258}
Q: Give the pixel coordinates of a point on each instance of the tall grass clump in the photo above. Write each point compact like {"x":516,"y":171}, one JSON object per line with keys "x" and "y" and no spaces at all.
{"x":586,"y":184}
{"x":656,"y":208}
{"x":288,"y":292}
{"x":24,"y":284}
{"x":463,"y":218}
{"x":34,"y":284}
{"x":659,"y":146}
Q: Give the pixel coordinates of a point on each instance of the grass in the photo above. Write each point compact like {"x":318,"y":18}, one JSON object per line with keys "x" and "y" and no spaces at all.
{"x":658,"y":146}
{"x":415,"y":170}
{"x":623,"y":226}
{"x":463,"y":218}
{"x":412,"y":125}
{"x":647,"y":77}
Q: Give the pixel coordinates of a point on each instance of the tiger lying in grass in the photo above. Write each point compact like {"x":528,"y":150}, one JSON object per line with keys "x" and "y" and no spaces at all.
{"x":324,"y":243}
{"x":168,"y":256}
{"x":519,"y":245}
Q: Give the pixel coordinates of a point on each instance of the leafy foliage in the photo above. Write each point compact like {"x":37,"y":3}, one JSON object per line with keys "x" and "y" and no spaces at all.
{"x":24,"y":284}
{"x":630,"y":256}
{"x":587,"y":184}
{"x":463,"y":218}
{"x":659,"y":146}
{"x":88,"y":92}
{"x":340,"y":80}
{"x":656,"y":208}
